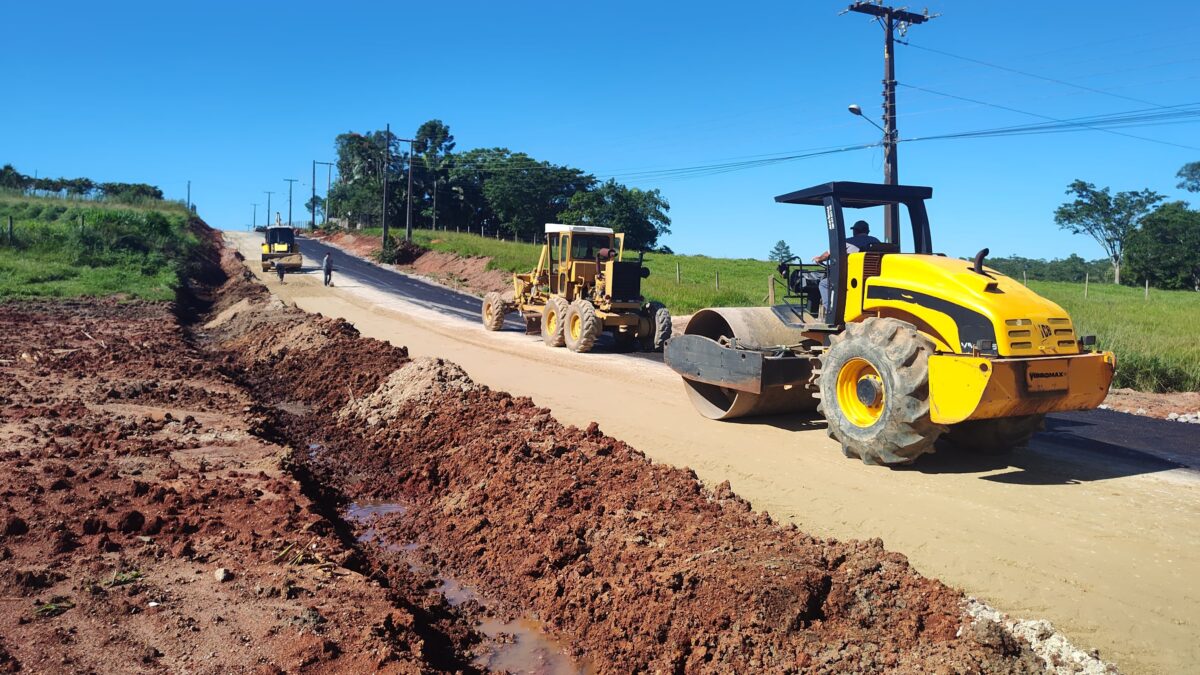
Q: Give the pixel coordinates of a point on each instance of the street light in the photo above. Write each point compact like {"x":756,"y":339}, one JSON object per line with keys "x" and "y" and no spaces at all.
{"x":856,"y":110}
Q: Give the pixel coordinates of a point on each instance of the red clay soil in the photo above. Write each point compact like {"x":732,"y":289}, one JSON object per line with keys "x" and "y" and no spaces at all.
{"x":133,"y":470}
{"x":636,"y":566}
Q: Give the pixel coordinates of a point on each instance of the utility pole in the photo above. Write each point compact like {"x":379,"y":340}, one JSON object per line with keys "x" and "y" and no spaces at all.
{"x":290,"y":182}
{"x":891,"y":19}
{"x":268,"y":207}
{"x":189,"y":197}
{"x":435,"y":191}
{"x":313,"y":223}
{"x":254,"y":218}
{"x":408,"y":221}
{"x":387,"y":158}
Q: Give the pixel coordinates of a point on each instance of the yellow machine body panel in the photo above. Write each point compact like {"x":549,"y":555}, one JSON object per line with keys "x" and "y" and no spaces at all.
{"x":974,"y":387}
{"x":1002,"y":350}
{"x":958,"y":308}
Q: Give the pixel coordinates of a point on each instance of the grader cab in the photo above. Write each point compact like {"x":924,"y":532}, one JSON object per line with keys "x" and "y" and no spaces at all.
{"x":582,"y":287}
{"x":911,"y":346}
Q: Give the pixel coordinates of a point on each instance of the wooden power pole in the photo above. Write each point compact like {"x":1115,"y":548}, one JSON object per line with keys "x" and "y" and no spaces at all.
{"x":892,"y":19}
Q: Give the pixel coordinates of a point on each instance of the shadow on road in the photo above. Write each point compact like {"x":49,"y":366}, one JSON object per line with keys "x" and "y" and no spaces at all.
{"x":1074,"y":448}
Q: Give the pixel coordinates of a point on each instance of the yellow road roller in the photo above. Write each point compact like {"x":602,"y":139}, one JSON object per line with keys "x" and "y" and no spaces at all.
{"x":895,"y":349}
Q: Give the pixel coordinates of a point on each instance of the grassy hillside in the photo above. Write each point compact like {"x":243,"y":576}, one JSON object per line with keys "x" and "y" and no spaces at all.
{"x":136,"y":251}
{"x":1155,"y":348}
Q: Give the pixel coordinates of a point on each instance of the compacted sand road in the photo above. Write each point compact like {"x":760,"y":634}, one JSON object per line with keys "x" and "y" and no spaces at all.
{"x":1100,"y":540}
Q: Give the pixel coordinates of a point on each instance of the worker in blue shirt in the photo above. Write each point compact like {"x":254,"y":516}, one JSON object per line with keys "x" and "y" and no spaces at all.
{"x":861,"y":238}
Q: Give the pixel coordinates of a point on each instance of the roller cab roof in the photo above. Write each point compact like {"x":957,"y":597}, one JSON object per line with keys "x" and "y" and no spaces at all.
{"x":857,"y":195}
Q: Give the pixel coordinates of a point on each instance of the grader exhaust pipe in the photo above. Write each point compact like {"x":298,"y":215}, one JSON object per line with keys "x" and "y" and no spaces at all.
{"x":733,"y":364}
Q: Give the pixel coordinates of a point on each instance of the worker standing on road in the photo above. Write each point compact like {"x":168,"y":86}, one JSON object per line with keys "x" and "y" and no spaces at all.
{"x":327,"y":266}
{"x":279,"y":270}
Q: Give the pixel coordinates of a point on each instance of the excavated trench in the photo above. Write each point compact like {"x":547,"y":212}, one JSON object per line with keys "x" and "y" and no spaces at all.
{"x":563,"y":540}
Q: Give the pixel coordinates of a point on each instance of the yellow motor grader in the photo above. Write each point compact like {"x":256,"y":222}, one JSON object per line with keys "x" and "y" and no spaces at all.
{"x":906,"y":348}
{"x":582,"y":286}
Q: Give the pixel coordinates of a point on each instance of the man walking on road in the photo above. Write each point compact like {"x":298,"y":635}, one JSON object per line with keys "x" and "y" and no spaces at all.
{"x":279,"y":270}
{"x":327,"y":266}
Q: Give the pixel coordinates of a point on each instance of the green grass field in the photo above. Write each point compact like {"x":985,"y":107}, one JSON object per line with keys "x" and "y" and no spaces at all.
{"x":134,"y":251}
{"x":1155,"y":348}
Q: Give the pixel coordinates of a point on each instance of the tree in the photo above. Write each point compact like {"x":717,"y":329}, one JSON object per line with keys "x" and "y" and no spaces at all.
{"x":359,"y":190}
{"x":12,"y":179}
{"x":1189,"y":177}
{"x":781,"y":253}
{"x":525,"y":194}
{"x":1166,"y":251}
{"x":433,"y":145}
{"x":1109,"y":219}
{"x":640,"y":214}
{"x":319,"y":203}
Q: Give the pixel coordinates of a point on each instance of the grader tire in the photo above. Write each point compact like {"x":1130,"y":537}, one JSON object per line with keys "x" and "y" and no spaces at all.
{"x":582,"y":326}
{"x":875,"y":392}
{"x":553,"y":320}
{"x":660,"y":327}
{"x":995,"y":436}
{"x":494,"y":310}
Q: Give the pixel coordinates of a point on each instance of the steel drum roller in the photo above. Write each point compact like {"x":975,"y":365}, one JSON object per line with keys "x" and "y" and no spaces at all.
{"x":756,"y":327}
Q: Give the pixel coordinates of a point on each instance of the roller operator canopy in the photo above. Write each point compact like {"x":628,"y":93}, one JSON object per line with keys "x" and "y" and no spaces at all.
{"x":857,"y":195}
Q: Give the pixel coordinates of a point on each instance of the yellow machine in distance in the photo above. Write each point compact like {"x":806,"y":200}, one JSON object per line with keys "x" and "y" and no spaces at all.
{"x":279,"y":249}
{"x":912,"y":347}
{"x":581,"y":287}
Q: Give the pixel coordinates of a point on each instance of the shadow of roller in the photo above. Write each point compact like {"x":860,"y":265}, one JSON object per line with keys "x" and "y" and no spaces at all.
{"x":759,"y":327}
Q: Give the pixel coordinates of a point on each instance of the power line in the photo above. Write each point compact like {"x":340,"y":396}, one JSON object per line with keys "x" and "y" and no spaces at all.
{"x":1035,"y":76}
{"x":1047,"y":117}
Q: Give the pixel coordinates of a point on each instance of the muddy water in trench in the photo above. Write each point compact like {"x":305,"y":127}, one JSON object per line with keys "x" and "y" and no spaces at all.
{"x":517,"y":646}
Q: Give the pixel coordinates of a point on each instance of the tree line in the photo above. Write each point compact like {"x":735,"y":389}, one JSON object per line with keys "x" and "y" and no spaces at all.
{"x":490,"y":190}
{"x":83,"y":188}
{"x":1151,"y":241}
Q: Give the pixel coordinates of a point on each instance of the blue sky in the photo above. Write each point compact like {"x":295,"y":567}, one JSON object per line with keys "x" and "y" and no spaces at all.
{"x":238,"y":96}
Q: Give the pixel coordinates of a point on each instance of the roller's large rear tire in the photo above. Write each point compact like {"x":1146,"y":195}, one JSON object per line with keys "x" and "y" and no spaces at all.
{"x":553,"y":321}
{"x":582,"y":326}
{"x":493,"y":311}
{"x":875,"y":392}
{"x":995,"y":436}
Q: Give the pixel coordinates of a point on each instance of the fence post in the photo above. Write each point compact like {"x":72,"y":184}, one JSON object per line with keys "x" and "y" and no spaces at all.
{"x":718,"y":280}
{"x":1024,"y":278}
{"x":10,"y":231}
{"x":676,"y":265}
{"x":770,"y":289}
{"x":1086,"y":277}
{"x":1147,"y":290}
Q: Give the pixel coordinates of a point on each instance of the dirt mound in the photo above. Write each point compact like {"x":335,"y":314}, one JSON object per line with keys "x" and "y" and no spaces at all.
{"x":422,"y":380}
